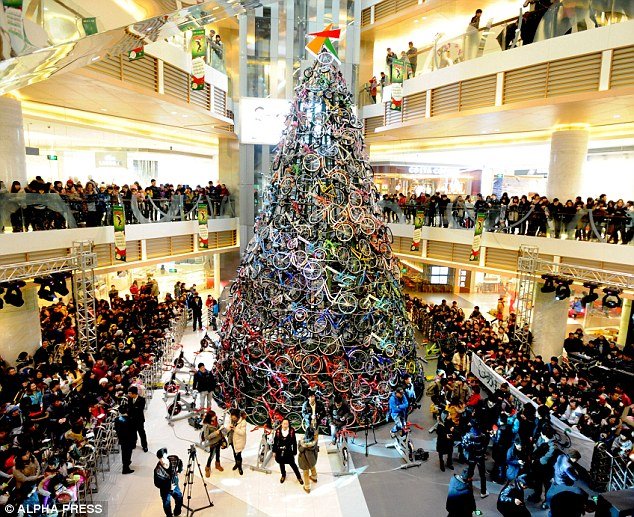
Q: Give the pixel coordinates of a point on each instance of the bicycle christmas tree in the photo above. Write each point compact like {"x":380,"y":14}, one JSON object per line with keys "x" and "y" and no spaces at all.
{"x":317,"y":302}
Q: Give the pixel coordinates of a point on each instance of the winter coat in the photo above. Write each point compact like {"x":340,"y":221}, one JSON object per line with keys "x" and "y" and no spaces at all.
{"x":213,"y":435}
{"x":460,"y":500}
{"x":444,"y":442}
{"x":307,"y":453}
{"x":474,"y":443}
{"x":506,"y":501}
{"x":285,"y":448}
{"x":126,"y":432}
{"x":239,"y":435}
{"x":564,"y":472}
{"x":513,"y":466}
{"x":398,"y":407}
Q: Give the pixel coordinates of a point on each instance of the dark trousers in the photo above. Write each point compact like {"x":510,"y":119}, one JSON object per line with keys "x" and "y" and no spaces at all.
{"x":481,"y":470}
{"x":441,"y":457}
{"x":293,"y":465}
{"x":215,"y":451}
{"x":126,"y":455}
{"x":237,"y":456}
{"x":140,"y":430}
{"x":197,"y":317}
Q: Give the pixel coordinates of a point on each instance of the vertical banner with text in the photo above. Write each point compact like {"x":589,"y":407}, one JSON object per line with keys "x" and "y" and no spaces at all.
{"x":203,"y":231}
{"x":397,"y":76}
{"x":477,"y":237}
{"x":118,"y":220}
{"x":418,"y":229}
{"x":198,"y":47}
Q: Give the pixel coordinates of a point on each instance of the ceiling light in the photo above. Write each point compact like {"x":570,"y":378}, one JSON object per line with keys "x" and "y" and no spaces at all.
{"x":591,"y":297}
{"x":104,"y":109}
{"x":563,"y":289}
{"x":611,"y":300}
{"x":173,"y":112}
{"x":95,"y":58}
{"x":616,"y":116}
{"x":549,"y":284}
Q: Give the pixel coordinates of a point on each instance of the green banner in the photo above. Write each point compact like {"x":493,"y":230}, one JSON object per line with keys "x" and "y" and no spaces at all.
{"x":118,"y":221}
{"x":198,"y":47}
{"x":90,"y":25}
{"x":477,"y":237}
{"x":136,"y":53}
{"x":396,"y":100}
{"x":418,"y":229}
{"x":409,"y":70}
{"x":398,"y":71}
{"x":203,"y":231}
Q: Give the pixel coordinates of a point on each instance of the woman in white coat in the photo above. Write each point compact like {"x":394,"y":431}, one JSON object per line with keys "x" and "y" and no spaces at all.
{"x":237,"y":437}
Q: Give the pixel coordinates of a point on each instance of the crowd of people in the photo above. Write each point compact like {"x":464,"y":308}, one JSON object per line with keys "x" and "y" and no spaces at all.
{"x":523,"y":445}
{"x":54,"y":401}
{"x":531,"y":214}
{"x":90,"y":204}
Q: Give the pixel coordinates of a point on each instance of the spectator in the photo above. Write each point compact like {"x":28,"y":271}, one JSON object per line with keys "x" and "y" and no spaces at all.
{"x":412,"y":55}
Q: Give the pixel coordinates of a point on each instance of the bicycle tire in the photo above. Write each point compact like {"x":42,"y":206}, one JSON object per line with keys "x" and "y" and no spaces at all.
{"x":311,"y":364}
{"x":311,"y":162}
{"x":260,"y":415}
{"x":341,"y":380}
{"x":174,"y":409}
{"x":347,"y":303}
{"x":312,"y":270}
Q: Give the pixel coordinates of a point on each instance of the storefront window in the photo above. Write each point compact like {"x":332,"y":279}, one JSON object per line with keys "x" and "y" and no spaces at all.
{"x":439,"y":275}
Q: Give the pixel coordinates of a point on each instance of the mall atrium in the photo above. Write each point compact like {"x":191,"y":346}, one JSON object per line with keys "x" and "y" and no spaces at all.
{"x":387,"y":245}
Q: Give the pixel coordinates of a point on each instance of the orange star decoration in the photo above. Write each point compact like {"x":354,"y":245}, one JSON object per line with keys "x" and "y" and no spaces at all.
{"x":322,"y":39}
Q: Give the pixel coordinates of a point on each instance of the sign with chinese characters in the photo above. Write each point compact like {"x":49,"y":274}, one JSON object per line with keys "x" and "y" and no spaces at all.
{"x":118,"y":221}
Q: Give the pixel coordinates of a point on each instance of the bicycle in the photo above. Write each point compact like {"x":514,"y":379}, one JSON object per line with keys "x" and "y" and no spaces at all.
{"x":404,"y":447}
{"x":341,"y":443}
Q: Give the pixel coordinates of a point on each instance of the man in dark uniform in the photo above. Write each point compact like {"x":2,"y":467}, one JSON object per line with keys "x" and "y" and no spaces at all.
{"x":135,"y":407}
{"x":126,"y":433}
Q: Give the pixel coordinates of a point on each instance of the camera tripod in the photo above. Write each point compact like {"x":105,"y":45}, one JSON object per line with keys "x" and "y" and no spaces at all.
{"x":193,"y":463}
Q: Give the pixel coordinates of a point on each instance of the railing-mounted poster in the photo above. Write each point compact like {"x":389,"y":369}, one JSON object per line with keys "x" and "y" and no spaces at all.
{"x":477,"y":237}
{"x":418,"y":229}
{"x":203,"y":231}
{"x":198,"y":46}
{"x":118,"y":221}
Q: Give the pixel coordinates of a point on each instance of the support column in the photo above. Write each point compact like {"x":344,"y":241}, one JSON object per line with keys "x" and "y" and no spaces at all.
{"x":568,"y":151}
{"x":550,"y":317}
{"x":12,"y":146}
{"x":217,"y":285}
{"x":626,"y":321}
{"x":229,"y":169}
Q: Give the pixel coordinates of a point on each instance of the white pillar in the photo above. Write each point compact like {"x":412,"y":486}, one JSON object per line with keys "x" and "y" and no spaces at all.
{"x":550,"y":317}
{"x":217,"y":286}
{"x":12,"y":146}
{"x":568,"y":151}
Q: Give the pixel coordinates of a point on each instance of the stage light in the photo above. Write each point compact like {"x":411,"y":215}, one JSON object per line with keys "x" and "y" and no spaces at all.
{"x":13,"y":295}
{"x":563,"y":289}
{"x":612,"y":300}
{"x":59,"y":283}
{"x":45,"y":292}
{"x":549,"y":284}
{"x":591,"y":297}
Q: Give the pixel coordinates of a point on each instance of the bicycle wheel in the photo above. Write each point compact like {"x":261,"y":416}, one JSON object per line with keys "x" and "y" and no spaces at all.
{"x":299,"y":258}
{"x":341,"y":380}
{"x":311,"y":162}
{"x":357,"y":360}
{"x":260,"y":415}
{"x":312,"y":270}
{"x":318,"y":325}
{"x":344,"y":232}
{"x":346,"y":303}
{"x":311,"y":364}
{"x":367,"y":225}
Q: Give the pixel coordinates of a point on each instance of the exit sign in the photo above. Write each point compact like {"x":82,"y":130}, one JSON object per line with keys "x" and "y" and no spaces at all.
{"x":52,"y":157}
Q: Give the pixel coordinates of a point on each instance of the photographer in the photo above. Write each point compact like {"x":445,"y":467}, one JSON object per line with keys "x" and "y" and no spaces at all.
{"x":166,"y":480}
{"x":339,"y":413}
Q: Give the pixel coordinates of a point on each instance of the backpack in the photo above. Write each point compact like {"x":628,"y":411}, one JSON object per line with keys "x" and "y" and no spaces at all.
{"x":421,"y":455}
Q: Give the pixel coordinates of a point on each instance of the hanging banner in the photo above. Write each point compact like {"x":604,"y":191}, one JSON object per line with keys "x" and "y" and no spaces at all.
{"x":566,"y":437}
{"x":203,"y":231}
{"x":398,"y":71}
{"x":136,"y":53}
{"x":396,"y":100}
{"x":418,"y":229}
{"x":89,"y":25}
{"x":477,"y":237}
{"x":409,"y":71}
{"x":198,"y":47}
{"x":118,"y":221}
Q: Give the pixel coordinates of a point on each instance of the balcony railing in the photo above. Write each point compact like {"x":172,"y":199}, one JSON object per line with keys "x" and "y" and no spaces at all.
{"x":34,"y":212}
{"x":585,"y":225}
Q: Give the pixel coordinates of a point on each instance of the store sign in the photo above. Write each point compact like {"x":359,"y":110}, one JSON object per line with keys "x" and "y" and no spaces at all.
{"x":112,"y":159}
{"x":262,"y":120}
{"x":118,"y":220}
{"x":426,"y":171}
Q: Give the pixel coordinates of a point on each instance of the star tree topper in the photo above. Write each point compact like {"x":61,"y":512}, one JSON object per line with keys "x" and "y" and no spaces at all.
{"x":322,"y":39}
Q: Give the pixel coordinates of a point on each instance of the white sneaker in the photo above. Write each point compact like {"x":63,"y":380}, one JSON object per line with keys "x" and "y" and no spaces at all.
{"x":484,"y":494}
